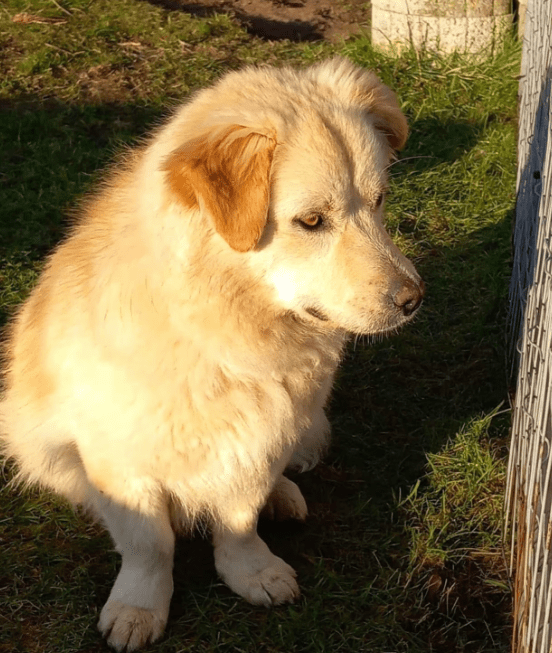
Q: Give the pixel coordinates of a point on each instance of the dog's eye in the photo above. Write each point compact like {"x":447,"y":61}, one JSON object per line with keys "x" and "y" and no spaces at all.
{"x":314,"y":221}
{"x":379,"y":200}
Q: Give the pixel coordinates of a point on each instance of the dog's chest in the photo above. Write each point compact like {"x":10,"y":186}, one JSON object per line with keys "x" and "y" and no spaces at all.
{"x":306,"y":368}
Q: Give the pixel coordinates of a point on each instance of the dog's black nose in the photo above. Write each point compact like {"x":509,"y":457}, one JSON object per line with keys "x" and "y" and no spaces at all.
{"x":409,"y":297}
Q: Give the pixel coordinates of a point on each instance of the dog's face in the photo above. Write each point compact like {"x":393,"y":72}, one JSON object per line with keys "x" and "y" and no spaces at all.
{"x":325,"y":249}
{"x":306,"y":208}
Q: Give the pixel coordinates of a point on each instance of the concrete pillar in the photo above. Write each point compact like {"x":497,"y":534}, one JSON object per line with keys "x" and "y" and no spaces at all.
{"x":442,"y":25}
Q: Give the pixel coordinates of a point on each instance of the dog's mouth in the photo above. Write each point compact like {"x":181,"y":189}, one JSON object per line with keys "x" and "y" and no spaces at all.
{"x":317,"y":314}
{"x":388,"y":323}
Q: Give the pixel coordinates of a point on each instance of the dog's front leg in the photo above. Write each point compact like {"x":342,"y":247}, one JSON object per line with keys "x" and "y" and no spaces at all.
{"x":250,"y":569}
{"x":138,"y":606}
{"x":244,"y":561}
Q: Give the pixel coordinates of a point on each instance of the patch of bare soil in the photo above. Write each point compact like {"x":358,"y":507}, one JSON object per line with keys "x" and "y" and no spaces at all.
{"x":296,"y":20}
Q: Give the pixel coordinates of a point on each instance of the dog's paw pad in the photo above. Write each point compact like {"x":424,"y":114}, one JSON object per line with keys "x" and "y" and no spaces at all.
{"x":127,"y":627}
{"x":285,"y":502}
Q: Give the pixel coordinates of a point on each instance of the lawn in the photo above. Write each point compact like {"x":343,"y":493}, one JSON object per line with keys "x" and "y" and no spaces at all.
{"x":402,"y":551}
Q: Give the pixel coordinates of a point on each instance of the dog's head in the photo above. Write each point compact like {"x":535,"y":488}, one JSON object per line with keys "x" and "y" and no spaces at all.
{"x":298,"y":190}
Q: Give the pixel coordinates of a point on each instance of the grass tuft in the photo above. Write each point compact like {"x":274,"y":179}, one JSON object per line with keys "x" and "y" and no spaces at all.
{"x":457,"y":508}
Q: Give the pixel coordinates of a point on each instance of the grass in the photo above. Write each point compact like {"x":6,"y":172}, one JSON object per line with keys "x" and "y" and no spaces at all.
{"x":402,"y":551}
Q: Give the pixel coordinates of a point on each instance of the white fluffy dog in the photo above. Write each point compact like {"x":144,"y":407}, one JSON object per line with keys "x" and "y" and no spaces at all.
{"x":177,"y":353}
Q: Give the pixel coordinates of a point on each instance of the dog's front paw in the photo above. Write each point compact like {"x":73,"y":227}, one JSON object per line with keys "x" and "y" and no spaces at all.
{"x":127,"y":627}
{"x":285,"y":502}
{"x":272,"y":585}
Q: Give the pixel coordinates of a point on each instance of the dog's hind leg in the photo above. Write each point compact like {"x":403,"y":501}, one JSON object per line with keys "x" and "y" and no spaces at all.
{"x":315,"y":439}
{"x":137,"y":608}
{"x":313,"y":444}
{"x":285,"y":502}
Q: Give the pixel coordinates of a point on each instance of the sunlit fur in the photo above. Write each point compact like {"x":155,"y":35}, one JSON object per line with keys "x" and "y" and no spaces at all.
{"x":166,"y":368}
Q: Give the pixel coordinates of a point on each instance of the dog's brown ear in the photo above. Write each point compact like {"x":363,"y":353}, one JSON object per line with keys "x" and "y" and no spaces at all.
{"x":366,"y":90}
{"x":228,"y":169}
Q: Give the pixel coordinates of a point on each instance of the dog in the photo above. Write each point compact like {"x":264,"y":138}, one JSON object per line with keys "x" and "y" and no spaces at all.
{"x":178,"y":351}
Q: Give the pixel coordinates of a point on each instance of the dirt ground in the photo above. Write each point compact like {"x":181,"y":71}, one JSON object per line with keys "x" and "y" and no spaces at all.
{"x":296,"y":20}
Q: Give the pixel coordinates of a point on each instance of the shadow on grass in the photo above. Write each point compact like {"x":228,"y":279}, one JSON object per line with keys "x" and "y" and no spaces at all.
{"x":260,"y":26}
{"x":409,"y":393}
{"x":432,"y":142}
{"x":394,"y":400}
{"x":51,"y":152}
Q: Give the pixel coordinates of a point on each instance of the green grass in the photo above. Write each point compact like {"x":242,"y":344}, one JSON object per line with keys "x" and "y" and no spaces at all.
{"x":402,"y":551}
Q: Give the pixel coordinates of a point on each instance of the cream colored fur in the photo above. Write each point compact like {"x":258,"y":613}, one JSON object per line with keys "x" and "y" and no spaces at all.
{"x":178,"y":351}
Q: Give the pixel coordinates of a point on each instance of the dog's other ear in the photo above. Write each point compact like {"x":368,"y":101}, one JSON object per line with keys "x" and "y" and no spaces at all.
{"x":365,"y":89}
{"x":227,"y":168}
{"x":379,"y":100}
